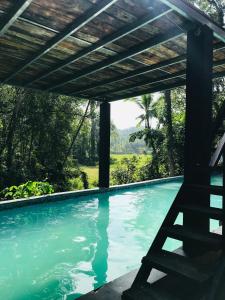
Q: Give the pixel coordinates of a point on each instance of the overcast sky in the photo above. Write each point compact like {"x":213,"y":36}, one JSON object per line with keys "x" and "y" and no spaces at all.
{"x":124,"y":114}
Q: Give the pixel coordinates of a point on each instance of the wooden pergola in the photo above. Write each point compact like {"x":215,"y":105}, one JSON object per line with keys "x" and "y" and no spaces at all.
{"x":107,"y":50}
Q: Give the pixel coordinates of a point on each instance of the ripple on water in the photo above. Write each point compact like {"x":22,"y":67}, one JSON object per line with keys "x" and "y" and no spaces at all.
{"x":79,"y":239}
{"x":61,"y":250}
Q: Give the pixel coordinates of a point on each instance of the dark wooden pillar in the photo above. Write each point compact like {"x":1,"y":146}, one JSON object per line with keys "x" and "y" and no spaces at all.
{"x":198,"y":126}
{"x":104,"y":145}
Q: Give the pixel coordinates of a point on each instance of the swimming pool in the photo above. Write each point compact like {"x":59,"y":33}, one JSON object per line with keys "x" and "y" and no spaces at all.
{"x":64,"y":249}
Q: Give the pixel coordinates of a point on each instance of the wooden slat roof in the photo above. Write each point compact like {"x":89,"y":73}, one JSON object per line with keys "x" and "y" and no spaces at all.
{"x":100,"y":49}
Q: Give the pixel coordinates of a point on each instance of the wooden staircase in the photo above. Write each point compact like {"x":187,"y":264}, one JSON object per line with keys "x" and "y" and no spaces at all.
{"x":190,"y":268}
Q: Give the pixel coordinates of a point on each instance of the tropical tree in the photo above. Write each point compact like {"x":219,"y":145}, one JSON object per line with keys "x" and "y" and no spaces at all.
{"x":146,"y":104}
{"x":169,"y":132}
{"x":149,"y":134}
{"x":40,"y":137}
{"x":214,"y":8}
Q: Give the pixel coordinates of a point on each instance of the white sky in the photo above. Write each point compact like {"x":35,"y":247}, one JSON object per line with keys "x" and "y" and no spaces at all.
{"x":124,"y":114}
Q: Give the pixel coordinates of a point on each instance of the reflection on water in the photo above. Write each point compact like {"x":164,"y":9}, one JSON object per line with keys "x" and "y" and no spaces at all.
{"x":60,"y":250}
{"x":100,"y":260}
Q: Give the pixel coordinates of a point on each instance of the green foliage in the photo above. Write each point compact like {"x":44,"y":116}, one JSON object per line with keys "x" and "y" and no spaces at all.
{"x":157,"y":138}
{"x":120,"y":144}
{"x":36,"y":131}
{"x":28,"y":189}
{"x":214,"y":8}
{"x":125,"y":171}
{"x":75,"y":184}
{"x":133,"y":169}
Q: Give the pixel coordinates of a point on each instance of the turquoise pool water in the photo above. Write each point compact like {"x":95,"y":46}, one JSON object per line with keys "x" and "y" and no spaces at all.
{"x":60,"y":250}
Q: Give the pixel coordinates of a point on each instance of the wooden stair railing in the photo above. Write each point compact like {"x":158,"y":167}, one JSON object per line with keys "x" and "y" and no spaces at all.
{"x":171,"y":263}
{"x":218,"y":122}
{"x":218,"y":152}
{"x":174,"y":264}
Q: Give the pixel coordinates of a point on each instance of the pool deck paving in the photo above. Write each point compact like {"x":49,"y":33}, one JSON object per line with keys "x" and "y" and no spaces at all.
{"x":165,"y":287}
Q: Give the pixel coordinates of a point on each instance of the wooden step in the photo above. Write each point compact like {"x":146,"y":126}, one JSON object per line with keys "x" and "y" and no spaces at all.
{"x":210,"y":212}
{"x":148,"y":292}
{"x":211,"y":240}
{"x":172,"y":263}
{"x":212,"y":189}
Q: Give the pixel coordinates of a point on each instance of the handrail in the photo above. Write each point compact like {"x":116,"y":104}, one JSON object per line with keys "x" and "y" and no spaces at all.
{"x":218,"y":121}
{"x":218,"y":152}
{"x":220,"y":146}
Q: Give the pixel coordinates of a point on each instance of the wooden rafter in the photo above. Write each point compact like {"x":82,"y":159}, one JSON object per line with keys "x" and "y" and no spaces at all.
{"x":14,"y":13}
{"x":71,"y":29}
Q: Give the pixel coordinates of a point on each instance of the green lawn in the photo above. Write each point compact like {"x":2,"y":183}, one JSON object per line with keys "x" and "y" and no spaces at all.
{"x":118,"y":157}
{"x":92,"y":172}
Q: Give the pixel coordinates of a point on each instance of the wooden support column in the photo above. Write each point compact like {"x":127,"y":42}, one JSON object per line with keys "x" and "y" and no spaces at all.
{"x":198,"y":127}
{"x":104,"y":145}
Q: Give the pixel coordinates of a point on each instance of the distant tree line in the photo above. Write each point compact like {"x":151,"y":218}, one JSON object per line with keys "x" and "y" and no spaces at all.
{"x":37,"y":131}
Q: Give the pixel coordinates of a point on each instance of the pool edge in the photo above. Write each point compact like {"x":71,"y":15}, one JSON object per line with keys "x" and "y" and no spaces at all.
{"x":10,"y":204}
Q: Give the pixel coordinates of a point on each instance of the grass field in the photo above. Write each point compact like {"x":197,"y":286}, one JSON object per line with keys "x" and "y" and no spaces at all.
{"x":92,"y":172}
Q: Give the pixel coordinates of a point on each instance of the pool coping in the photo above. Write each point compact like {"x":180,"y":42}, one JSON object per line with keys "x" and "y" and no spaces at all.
{"x":10,"y":204}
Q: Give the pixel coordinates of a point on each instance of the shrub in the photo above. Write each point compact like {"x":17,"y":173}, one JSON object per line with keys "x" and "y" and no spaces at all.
{"x":125,"y":171}
{"x":28,"y":189}
{"x":75,"y":184}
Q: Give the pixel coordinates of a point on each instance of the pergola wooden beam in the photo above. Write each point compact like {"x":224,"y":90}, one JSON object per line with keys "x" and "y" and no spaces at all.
{"x":195,"y":15}
{"x":139,"y":65}
{"x":155,"y":14}
{"x":18,"y":8}
{"x":39,"y":25}
{"x":134,"y":73}
{"x":142,"y":71}
{"x":149,"y":90}
{"x":135,"y":50}
{"x":142,"y":83}
{"x":156,"y":80}
{"x":71,"y":29}
{"x":158,"y":88}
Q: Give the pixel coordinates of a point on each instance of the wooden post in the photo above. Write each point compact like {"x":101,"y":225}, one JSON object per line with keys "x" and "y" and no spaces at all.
{"x":198,"y":127}
{"x":104,"y":145}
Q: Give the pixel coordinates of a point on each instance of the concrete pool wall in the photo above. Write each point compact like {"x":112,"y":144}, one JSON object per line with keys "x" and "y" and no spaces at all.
{"x":10,"y":204}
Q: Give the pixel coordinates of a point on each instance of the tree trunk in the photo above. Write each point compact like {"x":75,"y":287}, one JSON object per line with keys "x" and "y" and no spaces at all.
{"x":10,"y":135}
{"x":93,"y":150}
{"x":155,"y":160}
{"x":169,"y":132}
{"x":76,"y":134}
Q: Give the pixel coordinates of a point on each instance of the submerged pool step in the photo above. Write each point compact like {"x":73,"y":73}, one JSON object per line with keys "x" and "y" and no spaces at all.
{"x":181,"y":266}
{"x":148,"y":292}
{"x":210,"y":240}
{"x":211,"y":212}
{"x":212,"y":189}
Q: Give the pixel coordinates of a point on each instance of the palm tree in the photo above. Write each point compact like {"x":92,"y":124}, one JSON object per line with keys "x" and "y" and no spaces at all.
{"x":146,"y":104}
{"x":169,"y":132}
